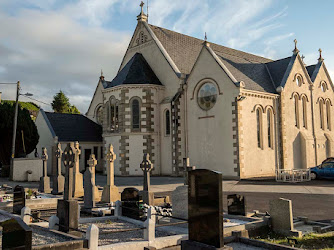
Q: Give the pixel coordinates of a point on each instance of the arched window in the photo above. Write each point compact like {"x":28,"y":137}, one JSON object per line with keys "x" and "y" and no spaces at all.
{"x":135,"y":111}
{"x":270,"y":123}
{"x":328,"y":114}
{"x":295,"y":98}
{"x":321,"y":113}
{"x":99,"y":115}
{"x":259,"y":128}
{"x":304,"y":112}
{"x":167,"y":122}
{"x":113,"y":114}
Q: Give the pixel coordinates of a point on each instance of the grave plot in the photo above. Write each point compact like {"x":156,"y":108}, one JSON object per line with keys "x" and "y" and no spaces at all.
{"x":111,"y":232}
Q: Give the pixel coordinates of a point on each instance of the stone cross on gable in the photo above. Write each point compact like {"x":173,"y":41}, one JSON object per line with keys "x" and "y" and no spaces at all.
{"x":69,"y":161}
{"x":146,"y":166}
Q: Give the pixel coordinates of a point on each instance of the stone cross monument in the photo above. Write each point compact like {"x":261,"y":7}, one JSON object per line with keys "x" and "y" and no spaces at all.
{"x":44,"y":183}
{"x":67,"y":208}
{"x":58,"y":178}
{"x":91,"y":190}
{"x":78,"y":178}
{"x":110,"y":191}
{"x":147,"y":166}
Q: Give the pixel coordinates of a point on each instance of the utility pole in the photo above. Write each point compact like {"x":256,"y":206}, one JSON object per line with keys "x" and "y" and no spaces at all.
{"x":15,"y":123}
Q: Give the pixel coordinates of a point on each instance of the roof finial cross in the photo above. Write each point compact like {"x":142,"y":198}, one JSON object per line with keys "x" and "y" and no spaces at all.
{"x":295,"y":51}
{"x":142,"y":6}
{"x":101,"y":72}
{"x":320,"y":59}
{"x":205,"y":37}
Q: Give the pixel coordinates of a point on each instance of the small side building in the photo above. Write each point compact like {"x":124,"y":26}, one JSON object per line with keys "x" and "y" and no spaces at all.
{"x":64,"y":128}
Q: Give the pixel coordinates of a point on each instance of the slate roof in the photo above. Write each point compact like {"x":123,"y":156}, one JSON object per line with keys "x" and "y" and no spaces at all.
{"x":310,"y":69}
{"x":74,"y":127}
{"x":136,"y":71}
{"x":258,"y":73}
{"x":277,"y":69}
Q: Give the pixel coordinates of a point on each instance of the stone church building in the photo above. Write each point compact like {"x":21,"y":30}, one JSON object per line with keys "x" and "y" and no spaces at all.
{"x":177,"y":96}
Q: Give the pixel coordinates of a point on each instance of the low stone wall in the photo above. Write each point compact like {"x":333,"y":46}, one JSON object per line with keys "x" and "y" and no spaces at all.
{"x":22,"y":167}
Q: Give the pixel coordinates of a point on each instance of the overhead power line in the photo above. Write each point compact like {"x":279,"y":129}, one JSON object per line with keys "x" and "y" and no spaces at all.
{"x":37,"y":100}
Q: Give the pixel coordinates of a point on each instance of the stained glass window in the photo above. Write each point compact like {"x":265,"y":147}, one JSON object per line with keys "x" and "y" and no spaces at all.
{"x":207,"y":96}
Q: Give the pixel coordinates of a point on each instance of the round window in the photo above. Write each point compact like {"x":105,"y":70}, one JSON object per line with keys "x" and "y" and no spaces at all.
{"x":207,"y":96}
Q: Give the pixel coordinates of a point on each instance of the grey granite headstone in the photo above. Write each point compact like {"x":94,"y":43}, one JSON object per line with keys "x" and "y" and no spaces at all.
{"x":205,"y":210}
{"x":68,"y":209}
{"x":19,"y":199}
{"x":146,"y":165}
{"x":281,"y":217}
{"x":58,"y":179}
{"x":89,"y":183}
{"x":44,"y":183}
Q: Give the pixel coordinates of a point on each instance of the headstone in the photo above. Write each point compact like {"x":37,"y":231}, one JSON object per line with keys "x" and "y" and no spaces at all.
{"x":67,"y":209}
{"x":180,"y":194}
{"x":92,"y":236}
{"x":19,"y":200}
{"x":205,"y":210}
{"x":146,"y":194}
{"x":110,"y":191}
{"x":236,"y":204}
{"x":58,"y":178}
{"x":118,"y":208}
{"x":26,"y":215}
{"x":91,"y":191}
{"x":149,"y":224}
{"x":44,"y":183}
{"x":78,"y":190}
{"x":16,"y":234}
{"x":54,"y":222}
{"x":281,"y":217}
{"x":131,"y":204}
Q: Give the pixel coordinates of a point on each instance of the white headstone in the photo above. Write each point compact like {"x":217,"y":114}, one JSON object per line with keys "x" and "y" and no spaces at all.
{"x":92,"y":235}
{"x":149,"y":224}
{"x":53,"y":222}
{"x":26,"y":214}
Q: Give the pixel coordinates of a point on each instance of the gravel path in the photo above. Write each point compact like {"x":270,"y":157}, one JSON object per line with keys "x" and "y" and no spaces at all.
{"x":106,"y":229}
{"x":41,"y":236}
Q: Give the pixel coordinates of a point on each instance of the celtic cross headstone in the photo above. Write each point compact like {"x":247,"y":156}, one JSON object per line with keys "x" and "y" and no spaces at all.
{"x":44,"y":183}
{"x":58,"y":178}
{"x":68,"y":209}
{"x":89,"y":184}
{"x":78,"y":177}
{"x":110,"y":191}
{"x":146,"y":165}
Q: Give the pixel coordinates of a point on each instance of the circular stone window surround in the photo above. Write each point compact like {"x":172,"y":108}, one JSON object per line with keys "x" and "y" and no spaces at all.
{"x":207,"y":95}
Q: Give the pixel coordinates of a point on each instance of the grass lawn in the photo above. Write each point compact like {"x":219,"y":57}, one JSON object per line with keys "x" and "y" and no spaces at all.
{"x":309,"y":241}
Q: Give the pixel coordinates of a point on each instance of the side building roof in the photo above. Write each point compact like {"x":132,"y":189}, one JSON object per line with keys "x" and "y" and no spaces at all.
{"x":136,"y":71}
{"x":74,"y":127}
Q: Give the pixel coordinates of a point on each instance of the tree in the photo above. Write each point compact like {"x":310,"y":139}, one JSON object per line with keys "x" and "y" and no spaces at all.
{"x":26,"y":129}
{"x":61,"y":104}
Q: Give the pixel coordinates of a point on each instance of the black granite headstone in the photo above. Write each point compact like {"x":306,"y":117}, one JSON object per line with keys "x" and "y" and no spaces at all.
{"x":131,"y":203}
{"x":19,"y":200}
{"x":205,"y":208}
{"x":16,"y":234}
{"x":236,"y":204}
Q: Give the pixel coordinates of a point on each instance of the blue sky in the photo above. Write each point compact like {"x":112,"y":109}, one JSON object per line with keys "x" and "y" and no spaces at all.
{"x":63,"y":44}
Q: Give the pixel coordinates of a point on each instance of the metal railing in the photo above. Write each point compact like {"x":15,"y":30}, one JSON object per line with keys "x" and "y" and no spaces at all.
{"x":293,"y":175}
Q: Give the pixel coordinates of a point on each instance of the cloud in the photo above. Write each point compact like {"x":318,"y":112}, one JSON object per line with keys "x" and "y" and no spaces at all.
{"x":49,"y":50}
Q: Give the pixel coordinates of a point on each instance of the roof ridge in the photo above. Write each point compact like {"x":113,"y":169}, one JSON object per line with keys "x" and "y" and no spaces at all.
{"x":215,"y":44}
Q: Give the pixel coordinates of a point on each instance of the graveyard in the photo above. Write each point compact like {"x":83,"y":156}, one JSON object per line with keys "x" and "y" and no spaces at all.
{"x":194,"y":212}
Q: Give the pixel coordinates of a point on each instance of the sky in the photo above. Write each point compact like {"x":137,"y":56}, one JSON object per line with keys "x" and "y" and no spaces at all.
{"x":52,"y":45}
